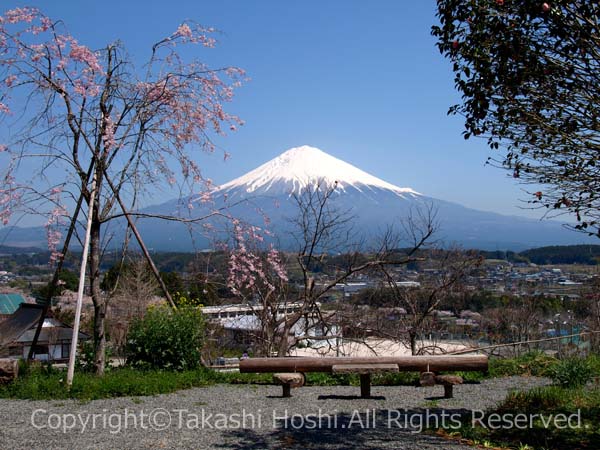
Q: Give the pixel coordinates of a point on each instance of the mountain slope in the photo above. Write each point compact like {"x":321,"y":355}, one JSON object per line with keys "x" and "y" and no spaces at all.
{"x":268,"y":191}
{"x":299,"y":167}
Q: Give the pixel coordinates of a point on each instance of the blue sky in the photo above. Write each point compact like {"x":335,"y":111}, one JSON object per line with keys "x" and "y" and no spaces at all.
{"x":363,"y":81}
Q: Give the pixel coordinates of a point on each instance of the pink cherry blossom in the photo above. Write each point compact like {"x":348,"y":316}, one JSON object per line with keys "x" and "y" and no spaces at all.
{"x":184,"y":30}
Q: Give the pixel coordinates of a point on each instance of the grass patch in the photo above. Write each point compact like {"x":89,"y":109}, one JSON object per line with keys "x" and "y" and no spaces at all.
{"x":530,"y":364}
{"x":548,"y":401}
{"x":45,"y":384}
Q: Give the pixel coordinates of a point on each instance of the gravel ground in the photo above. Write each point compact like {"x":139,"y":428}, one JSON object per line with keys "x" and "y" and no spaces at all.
{"x":248,"y":416}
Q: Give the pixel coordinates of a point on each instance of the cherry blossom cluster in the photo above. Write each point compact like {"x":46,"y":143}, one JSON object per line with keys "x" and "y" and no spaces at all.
{"x":145,"y":127}
{"x":56,"y":219}
{"x":8,"y":196}
{"x":32,"y":52}
{"x":252,"y":269}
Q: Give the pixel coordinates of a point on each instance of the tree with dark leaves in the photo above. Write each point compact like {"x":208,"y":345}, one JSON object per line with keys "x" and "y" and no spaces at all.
{"x":529,"y":75}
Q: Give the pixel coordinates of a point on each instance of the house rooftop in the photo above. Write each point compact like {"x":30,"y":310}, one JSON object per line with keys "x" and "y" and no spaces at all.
{"x":9,"y":303}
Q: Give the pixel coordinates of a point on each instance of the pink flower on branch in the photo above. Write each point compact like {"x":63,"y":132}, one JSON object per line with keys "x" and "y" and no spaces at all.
{"x":195,"y":34}
{"x":19,"y":15}
{"x":251,"y":267}
{"x":9,"y":80}
{"x":184,"y":30}
{"x":108,"y":136}
{"x":81,"y":53}
{"x":53,"y":233}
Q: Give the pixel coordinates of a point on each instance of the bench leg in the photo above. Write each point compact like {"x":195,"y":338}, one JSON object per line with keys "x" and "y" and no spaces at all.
{"x":448,"y":391}
{"x":287,"y":390}
{"x":365,"y":385}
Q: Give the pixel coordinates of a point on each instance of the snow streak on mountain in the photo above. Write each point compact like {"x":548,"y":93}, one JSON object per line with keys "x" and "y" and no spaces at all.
{"x":299,"y":167}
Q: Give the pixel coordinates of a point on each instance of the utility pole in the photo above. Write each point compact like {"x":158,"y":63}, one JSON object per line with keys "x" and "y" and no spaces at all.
{"x":84,"y":257}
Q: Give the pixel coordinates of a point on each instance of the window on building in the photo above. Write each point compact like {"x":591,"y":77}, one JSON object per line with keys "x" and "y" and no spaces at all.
{"x":40,"y":349}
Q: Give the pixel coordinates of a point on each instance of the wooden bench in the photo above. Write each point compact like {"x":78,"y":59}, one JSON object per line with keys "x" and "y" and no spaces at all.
{"x":289,"y":371}
{"x":365,"y":371}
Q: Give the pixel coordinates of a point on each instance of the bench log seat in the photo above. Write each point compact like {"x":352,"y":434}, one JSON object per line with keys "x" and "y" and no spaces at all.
{"x":448,"y":381}
{"x":365,"y":371}
{"x":288,"y":381}
{"x":404,"y":363}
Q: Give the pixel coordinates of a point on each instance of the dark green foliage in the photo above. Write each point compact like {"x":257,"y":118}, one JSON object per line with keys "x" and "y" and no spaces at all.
{"x":538,"y":399}
{"x":111,"y":276}
{"x":121,"y":270}
{"x":173,"y":282}
{"x":564,"y":254}
{"x":69,"y":281}
{"x":202,"y":290}
{"x":166,"y":339}
{"x":527,"y":72}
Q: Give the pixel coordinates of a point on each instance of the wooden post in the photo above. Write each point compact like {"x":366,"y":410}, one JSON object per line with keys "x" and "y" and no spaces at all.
{"x":448,"y":391}
{"x":287,"y":390}
{"x":9,"y":370}
{"x":365,"y":385}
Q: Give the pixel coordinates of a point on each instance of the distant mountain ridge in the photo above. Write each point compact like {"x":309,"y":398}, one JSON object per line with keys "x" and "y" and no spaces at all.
{"x":8,"y":250}
{"x":571,"y":254}
{"x":375,"y":203}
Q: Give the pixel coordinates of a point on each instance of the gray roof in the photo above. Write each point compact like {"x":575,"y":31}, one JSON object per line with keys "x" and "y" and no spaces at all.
{"x":20,"y":327}
{"x":54,"y":334}
{"x":18,"y":323}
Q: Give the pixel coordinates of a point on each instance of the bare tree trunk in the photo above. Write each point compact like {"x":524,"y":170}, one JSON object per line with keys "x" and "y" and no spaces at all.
{"x":99,"y":303}
{"x":413,"y":342}
{"x":284,"y":341}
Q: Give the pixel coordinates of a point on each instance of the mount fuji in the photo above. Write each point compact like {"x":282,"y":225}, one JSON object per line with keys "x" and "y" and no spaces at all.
{"x":374,"y":204}
{"x":302,"y":167}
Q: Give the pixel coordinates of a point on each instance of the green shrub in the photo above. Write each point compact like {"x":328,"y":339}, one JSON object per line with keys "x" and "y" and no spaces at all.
{"x":85,"y":357}
{"x":166,"y":339}
{"x":572,"y":372}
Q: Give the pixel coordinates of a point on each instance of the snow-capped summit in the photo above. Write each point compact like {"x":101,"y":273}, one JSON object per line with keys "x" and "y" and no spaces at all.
{"x":298,"y":167}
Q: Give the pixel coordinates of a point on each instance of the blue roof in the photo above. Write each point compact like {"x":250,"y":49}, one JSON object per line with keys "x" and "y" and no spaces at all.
{"x":10,"y":302}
